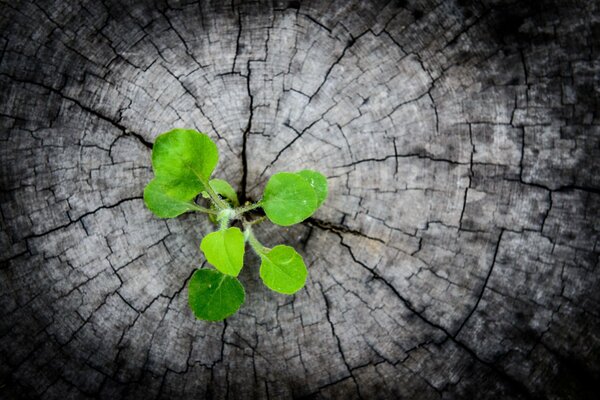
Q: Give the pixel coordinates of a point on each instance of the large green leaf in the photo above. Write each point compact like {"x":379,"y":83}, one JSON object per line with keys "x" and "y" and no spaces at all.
{"x":223,"y":188}
{"x":318,"y":182}
{"x":214,"y":296}
{"x":184,"y":159}
{"x":282,"y":269}
{"x":166,"y":201}
{"x":288,"y":199}
{"x":225,"y":250}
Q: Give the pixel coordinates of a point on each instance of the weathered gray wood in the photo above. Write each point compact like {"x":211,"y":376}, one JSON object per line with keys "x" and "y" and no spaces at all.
{"x":457,"y":255}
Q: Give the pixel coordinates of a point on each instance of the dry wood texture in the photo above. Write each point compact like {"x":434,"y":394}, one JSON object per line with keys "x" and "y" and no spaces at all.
{"x":457,"y":255}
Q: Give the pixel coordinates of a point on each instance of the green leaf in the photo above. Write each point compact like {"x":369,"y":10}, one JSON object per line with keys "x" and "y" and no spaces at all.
{"x":318,"y":182}
{"x":214,"y":296}
{"x":223,"y":188}
{"x":184,"y":159}
{"x":166,"y":201}
{"x":225,"y":250}
{"x":288,"y":199}
{"x":282,"y":269}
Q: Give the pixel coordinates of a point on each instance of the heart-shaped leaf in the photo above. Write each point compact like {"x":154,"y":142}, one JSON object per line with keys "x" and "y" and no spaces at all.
{"x":167,"y":201}
{"x":288,"y":199}
{"x":214,"y":296}
{"x":318,"y":182}
{"x":282,"y":269}
{"x":184,"y":159}
{"x":225,"y":250}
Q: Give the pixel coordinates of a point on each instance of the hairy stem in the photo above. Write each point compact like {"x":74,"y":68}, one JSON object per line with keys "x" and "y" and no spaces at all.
{"x":220,"y":203}
{"x":224,"y":216}
{"x":254,"y":243}
{"x":203,"y":209}
{"x":224,"y":224}
{"x":257,"y":220}
{"x":246,"y":208}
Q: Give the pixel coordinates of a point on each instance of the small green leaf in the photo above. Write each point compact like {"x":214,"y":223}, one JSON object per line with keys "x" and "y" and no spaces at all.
{"x":225,"y":250}
{"x":288,"y":199}
{"x":184,"y":159}
{"x":166,"y":201}
{"x":318,"y":182}
{"x":214,"y":296}
{"x":282,"y":269}
{"x":223,"y":188}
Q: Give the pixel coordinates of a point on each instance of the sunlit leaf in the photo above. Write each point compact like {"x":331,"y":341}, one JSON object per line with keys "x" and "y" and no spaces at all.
{"x":288,"y":199}
{"x":282,"y":269}
{"x":225,"y":250}
{"x":318,"y":182}
{"x":184,"y":159}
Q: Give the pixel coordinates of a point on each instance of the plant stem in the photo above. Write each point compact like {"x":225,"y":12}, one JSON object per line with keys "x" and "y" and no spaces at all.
{"x":222,"y":205}
{"x":249,"y":207}
{"x":257,"y":220}
{"x":203,"y":209}
{"x":224,"y":224}
{"x":224,"y":216}
{"x":254,"y":243}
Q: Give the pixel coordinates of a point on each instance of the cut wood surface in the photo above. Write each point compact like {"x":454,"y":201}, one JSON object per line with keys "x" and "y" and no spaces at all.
{"x":457,"y":255}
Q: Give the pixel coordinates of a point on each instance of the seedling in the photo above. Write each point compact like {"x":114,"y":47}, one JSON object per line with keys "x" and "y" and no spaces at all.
{"x":183,"y":161}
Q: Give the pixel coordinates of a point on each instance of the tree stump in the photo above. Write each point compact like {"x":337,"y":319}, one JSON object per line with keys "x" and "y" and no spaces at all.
{"x":456,"y":257}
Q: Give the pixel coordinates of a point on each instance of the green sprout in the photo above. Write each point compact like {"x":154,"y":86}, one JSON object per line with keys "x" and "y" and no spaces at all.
{"x":183,"y":161}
